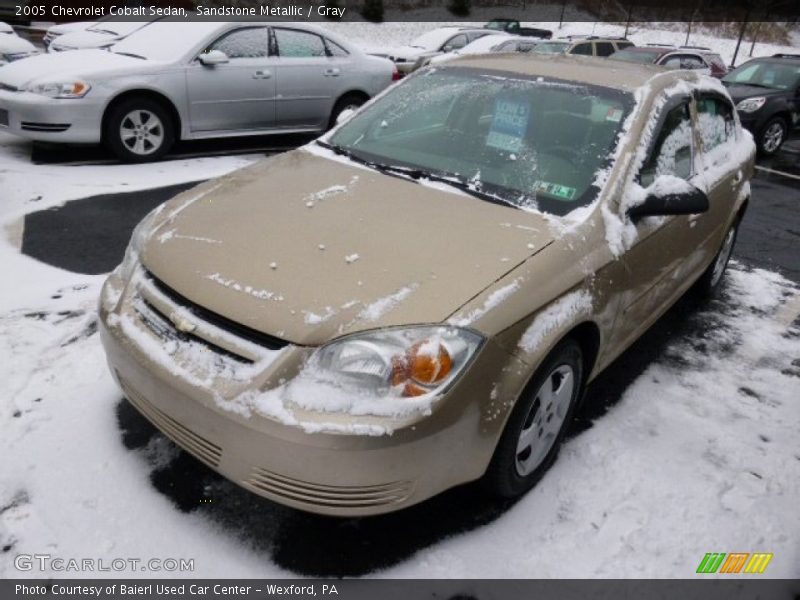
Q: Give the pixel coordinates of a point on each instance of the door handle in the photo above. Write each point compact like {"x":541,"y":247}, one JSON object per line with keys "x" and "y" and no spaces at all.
{"x":332,"y":72}
{"x":262,"y":74}
{"x":737,"y":179}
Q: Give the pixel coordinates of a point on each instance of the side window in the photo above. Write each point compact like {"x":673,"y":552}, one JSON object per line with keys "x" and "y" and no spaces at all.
{"x":672,"y":152}
{"x":250,"y":42}
{"x":526,"y":46}
{"x":299,"y":44}
{"x":692,"y":62}
{"x":585,"y":49}
{"x":623,"y":45}
{"x":604,"y":48}
{"x":716,"y":122}
{"x":673,"y":62}
{"x":455,"y":43}
{"x":335,"y":49}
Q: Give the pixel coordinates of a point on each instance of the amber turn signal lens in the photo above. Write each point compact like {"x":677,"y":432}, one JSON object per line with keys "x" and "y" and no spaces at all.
{"x":428,"y":365}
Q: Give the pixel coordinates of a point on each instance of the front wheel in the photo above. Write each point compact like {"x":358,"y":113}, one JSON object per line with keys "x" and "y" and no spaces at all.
{"x":139,"y":130}
{"x":772,"y":136}
{"x":536,"y":427}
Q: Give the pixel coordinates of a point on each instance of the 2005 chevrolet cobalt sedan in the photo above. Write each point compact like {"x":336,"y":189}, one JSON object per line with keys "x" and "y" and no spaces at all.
{"x":418,"y":299}
{"x":184,"y":81}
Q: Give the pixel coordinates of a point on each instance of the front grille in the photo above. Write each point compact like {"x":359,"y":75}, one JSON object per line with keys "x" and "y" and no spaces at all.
{"x":160,"y":324}
{"x":49,"y":127}
{"x":217,"y":320}
{"x":196,"y":445}
{"x":328,"y":495}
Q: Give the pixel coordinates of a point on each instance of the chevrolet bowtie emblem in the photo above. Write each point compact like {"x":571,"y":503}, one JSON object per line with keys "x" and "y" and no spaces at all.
{"x":181,"y":324}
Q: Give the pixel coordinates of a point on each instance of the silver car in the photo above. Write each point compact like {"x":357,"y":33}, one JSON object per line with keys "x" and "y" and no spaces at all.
{"x":186,"y":81}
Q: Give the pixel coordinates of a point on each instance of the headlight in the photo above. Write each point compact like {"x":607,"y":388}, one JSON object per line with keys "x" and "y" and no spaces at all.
{"x":749,"y":105}
{"x":390,"y":372}
{"x":138,"y":238}
{"x":74,"y":89}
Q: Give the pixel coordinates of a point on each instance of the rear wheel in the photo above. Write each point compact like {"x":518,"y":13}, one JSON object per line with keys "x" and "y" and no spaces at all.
{"x":772,"y":136}
{"x":709,"y":281}
{"x":347,"y":102}
{"x":139,"y":130}
{"x":533,"y":434}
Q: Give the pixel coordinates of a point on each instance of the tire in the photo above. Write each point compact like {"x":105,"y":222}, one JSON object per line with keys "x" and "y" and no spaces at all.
{"x":708,"y":284}
{"x":515,"y":467}
{"x":346,"y":102}
{"x":149,"y":126}
{"x":771,"y":136}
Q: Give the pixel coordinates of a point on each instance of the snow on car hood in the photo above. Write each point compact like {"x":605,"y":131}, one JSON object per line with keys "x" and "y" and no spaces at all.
{"x":77,"y":63}
{"x":13,"y":44}
{"x":307,"y":248}
{"x":85,"y":39}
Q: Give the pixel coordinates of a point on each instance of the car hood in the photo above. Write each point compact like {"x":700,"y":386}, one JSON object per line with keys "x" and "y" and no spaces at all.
{"x":85,"y":39}
{"x":13,"y":44}
{"x":77,"y":63}
{"x":307,"y":248}
{"x":739,"y":91}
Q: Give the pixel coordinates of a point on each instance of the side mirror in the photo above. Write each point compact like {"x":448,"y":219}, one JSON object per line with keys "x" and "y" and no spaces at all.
{"x":670,"y":196}
{"x":344,"y":115}
{"x":448,"y":48}
{"x":213,"y":57}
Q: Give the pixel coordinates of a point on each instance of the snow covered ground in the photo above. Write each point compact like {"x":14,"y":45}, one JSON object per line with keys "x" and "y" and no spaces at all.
{"x":699,"y":455}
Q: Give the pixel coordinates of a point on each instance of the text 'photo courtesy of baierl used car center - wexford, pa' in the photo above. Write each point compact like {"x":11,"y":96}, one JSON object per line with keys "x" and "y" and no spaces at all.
{"x":354,"y":298}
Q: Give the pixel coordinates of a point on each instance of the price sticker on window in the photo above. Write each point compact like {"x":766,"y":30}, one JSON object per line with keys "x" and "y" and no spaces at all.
{"x":509,"y":124}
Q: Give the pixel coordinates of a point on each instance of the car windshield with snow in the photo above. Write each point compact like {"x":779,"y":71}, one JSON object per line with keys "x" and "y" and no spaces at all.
{"x":419,"y":299}
{"x":530,"y":142}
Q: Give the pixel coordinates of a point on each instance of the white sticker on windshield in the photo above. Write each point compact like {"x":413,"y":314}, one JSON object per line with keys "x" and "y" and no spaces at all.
{"x":614,"y":114}
{"x":509,"y":124}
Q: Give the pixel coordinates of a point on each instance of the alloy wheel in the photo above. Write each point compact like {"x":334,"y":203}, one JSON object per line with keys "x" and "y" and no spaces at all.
{"x":141,"y":132}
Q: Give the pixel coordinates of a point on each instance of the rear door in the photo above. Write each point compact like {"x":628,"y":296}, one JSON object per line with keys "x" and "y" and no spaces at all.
{"x":239,"y":94}
{"x":309,"y":80}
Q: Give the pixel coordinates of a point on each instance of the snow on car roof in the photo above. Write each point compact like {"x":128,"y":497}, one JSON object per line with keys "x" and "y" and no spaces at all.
{"x":167,"y":40}
{"x":585,"y":69}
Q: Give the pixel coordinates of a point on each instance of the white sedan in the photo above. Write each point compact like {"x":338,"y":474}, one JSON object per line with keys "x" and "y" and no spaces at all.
{"x":482,"y":45}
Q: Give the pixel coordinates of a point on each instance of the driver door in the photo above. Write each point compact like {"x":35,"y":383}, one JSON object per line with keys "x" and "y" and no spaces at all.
{"x":664,"y":246}
{"x":239,"y":94}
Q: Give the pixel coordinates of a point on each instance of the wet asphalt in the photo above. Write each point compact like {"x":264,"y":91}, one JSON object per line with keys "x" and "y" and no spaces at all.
{"x":90,"y":235}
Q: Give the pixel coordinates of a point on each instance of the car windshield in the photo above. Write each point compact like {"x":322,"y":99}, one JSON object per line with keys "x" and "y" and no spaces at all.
{"x":165,"y":40}
{"x":770,"y":74}
{"x":637,"y":56}
{"x":529,"y":142}
{"x":551,"y":48}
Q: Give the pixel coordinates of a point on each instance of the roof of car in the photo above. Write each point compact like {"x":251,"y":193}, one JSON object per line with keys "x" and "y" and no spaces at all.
{"x":583,"y":69}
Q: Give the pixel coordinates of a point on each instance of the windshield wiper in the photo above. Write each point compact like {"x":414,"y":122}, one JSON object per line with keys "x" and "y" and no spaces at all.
{"x":131,"y":54}
{"x":416,"y":174}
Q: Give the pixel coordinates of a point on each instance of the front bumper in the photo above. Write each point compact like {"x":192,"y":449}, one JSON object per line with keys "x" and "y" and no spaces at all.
{"x":46,"y":119}
{"x":333,"y":473}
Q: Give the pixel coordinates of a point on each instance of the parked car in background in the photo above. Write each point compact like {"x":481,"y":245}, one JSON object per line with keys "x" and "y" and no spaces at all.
{"x":12,"y":46}
{"x":55,"y":31}
{"x":482,"y":45}
{"x":516,"y":44}
{"x":433,"y":43}
{"x":767,"y":96}
{"x":180,"y":81}
{"x":399,"y":358}
{"x":97,"y":35}
{"x":514,"y":27}
{"x":685,"y":57}
{"x":583,"y":45}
